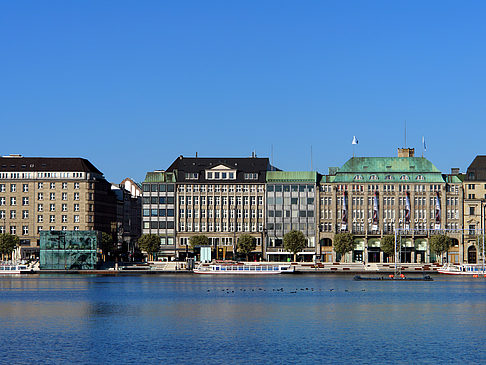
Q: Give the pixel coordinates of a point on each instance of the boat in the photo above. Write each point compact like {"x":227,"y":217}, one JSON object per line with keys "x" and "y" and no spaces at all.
{"x":462,"y":269}
{"x":243,"y":269}
{"x":394,"y":278}
{"x":15,"y":269}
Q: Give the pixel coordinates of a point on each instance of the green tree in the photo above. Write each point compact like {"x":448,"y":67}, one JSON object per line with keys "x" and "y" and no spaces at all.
{"x":479,"y":242}
{"x":440,"y":243}
{"x":198,"y":240}
{"x":387,"y":245}
{"x":149,"y":243}
{"x":343,"y":243}
{"x":294,"y":241}
{"x":8,"y":243}
{"x":107,"y":244}
{"x":246,"y":244}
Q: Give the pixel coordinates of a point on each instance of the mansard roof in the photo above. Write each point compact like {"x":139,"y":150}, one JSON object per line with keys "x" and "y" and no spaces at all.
{"x":387,"y":170}
{"x":292,"y":176}
{"x":477,"y":169}
{"x":49,"y":164}
{"x":199,"y":165}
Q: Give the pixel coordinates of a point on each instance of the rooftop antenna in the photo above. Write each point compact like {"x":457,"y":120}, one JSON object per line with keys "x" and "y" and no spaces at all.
{"x":272,"y":157}
{"x":312,"y":166}
{"x":405,"y":134}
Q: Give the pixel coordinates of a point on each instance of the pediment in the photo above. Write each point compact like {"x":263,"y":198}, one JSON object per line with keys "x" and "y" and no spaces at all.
{"x":220,"y":167}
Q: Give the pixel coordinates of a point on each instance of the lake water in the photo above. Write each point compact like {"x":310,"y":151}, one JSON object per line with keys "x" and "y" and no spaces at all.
{"x":294,"y":319}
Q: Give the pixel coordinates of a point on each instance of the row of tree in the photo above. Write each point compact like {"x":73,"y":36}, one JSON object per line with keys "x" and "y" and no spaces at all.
{"x":294,"y":242}
{"x":344,"y":243}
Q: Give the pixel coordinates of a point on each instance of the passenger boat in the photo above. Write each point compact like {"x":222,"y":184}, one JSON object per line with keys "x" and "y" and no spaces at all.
{"x":462,"y":269}
{"x":243,"y":269}
{"x":14,"y":269}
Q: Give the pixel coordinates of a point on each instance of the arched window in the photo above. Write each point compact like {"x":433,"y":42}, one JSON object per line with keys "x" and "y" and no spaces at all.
{"x":358,"y":177}
{"x":404,"y":177}
{"x":420,"y":177}
{"x":373,"y":177}
{"x":388,"y":177}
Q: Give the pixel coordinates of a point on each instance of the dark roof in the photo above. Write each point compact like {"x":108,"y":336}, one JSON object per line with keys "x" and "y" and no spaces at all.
{"x":183,"y":165}
{"x":477,"y":169}
{"x":74,"y":164}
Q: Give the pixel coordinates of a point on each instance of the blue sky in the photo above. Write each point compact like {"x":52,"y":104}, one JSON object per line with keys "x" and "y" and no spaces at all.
{"x":131,"y":85}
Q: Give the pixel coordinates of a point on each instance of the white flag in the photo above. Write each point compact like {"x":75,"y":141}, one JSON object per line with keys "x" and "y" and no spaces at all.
{"x":355,"y":140}
{"x":423,"y":141}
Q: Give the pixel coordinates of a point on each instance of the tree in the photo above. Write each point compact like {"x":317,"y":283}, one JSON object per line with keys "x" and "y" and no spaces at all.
{"x":294,"y":241}
{"x":8,"y":243}
{"x":440,"y":243}
{"x":149,"y":243}
{"x":107,"y":244}
{"x":480,"y":243}
{"x":198,"y":240}
{"x":387,"y":245}
{"x":246,"y":244}
{"x":343,"y":243}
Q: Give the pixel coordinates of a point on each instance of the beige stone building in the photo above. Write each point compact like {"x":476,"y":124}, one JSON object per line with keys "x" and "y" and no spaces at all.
{"x":38,"y":193}
{"x":372,"y":196}
{"x":474,"y":209}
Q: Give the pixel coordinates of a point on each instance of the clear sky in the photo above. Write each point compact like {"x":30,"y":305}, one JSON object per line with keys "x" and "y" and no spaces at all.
{"x":131,"y":85}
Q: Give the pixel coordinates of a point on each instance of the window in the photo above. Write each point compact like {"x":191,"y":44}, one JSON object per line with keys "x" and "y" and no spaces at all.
{"x":40,"y":218}
{"x":2,"y":188}
{"x":64,"y":185}
{"x":13,"y":201}
{"x":76,"y":196}
{"x":52,"y":218}
{"x":192,"y":175}
{"x":64,"y":196}
{"x":13,"y":229}
{"x":25,"y":188}
{"x":52,"y":185}
{"x":358,"y":177}
{"x":13,"y":188}
{"x":251,"y":176}
{"x":25,"y":201}
{"x":40,"y":185}
{"x":373,"y":177}
{"x":404,"y":177}
{"x":40,"y":207}
{"x":64,"y":208}
{"x":13,"y":214}
{"x":40,"y":196}
{"x":2,"y":200}
{"x":388,"y":177}
{"x":76,"y":185}
{"x":76,"y":219}
{"x":420,"y":177}
{"x":52,"y":196}
{"x":471,"y":210}
{"x":52,"y":207}
{"x":76,"y":207}
{"x":25,"y":214}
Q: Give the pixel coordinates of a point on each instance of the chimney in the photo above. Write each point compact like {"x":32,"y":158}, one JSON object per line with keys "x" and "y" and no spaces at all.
{"x":406,"y":152}
{"x":454,"y":170}
{"x":196,"y":154}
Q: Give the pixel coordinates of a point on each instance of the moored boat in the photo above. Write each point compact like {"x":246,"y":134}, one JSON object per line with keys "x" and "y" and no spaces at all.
{"x":243,"y":269}
{"x":462,"y":269}
{"x":14,"y":269}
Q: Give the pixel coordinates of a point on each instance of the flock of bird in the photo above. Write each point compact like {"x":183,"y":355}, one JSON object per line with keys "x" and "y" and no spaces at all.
{"x":281,"y":290}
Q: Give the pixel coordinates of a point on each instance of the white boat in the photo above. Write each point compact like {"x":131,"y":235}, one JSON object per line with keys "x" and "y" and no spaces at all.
{"x":243,"y":269}
{"x":462,"y":269}
{"x":14,"y":269}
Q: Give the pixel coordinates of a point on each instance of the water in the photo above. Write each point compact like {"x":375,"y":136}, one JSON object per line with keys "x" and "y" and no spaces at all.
{"x":180,"y":319}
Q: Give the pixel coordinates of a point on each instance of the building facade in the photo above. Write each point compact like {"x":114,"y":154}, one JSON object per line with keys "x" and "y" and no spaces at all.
{"x":158,"y":210}
{"x":291,"y":202}
{"x":372,"y":196}
{"x":63,"y":194}
{"x":221,"y":198}
{"x":474,"y":209}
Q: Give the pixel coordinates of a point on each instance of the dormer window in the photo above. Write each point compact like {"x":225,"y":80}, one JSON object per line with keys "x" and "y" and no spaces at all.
{"x":251,"y":176}
{"x":358,"y":177}
{"x":220,"y":172}
{"x":420,"y":177}
{"x":192,"y":175}
{"x":388,"y":177}
{"x":404,"y":177}
{"x":373,"y":177}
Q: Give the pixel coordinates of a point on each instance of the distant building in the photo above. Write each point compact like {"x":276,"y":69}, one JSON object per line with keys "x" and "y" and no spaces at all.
{"x":474,"y":208}
{"x":158,"y":210}
{"x":372,"y":196}
{"x":128,"y":227}
{"x":291,"y":205}
{"x":221,"y":198}
{"x":56,"y":194}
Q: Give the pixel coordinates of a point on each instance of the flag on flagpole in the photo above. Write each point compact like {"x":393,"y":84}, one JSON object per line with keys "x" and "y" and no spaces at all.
{"x":407,"y":210}
{"x":375,"y":212}
{"x":423,"y":142}
{"x":437,"y":211}
{"x":355,"y":140}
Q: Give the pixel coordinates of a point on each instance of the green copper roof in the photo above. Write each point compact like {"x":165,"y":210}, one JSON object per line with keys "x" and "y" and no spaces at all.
{"x":160,"y":176}
{"x":292,"y":176}
{"x":387,"y":170}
